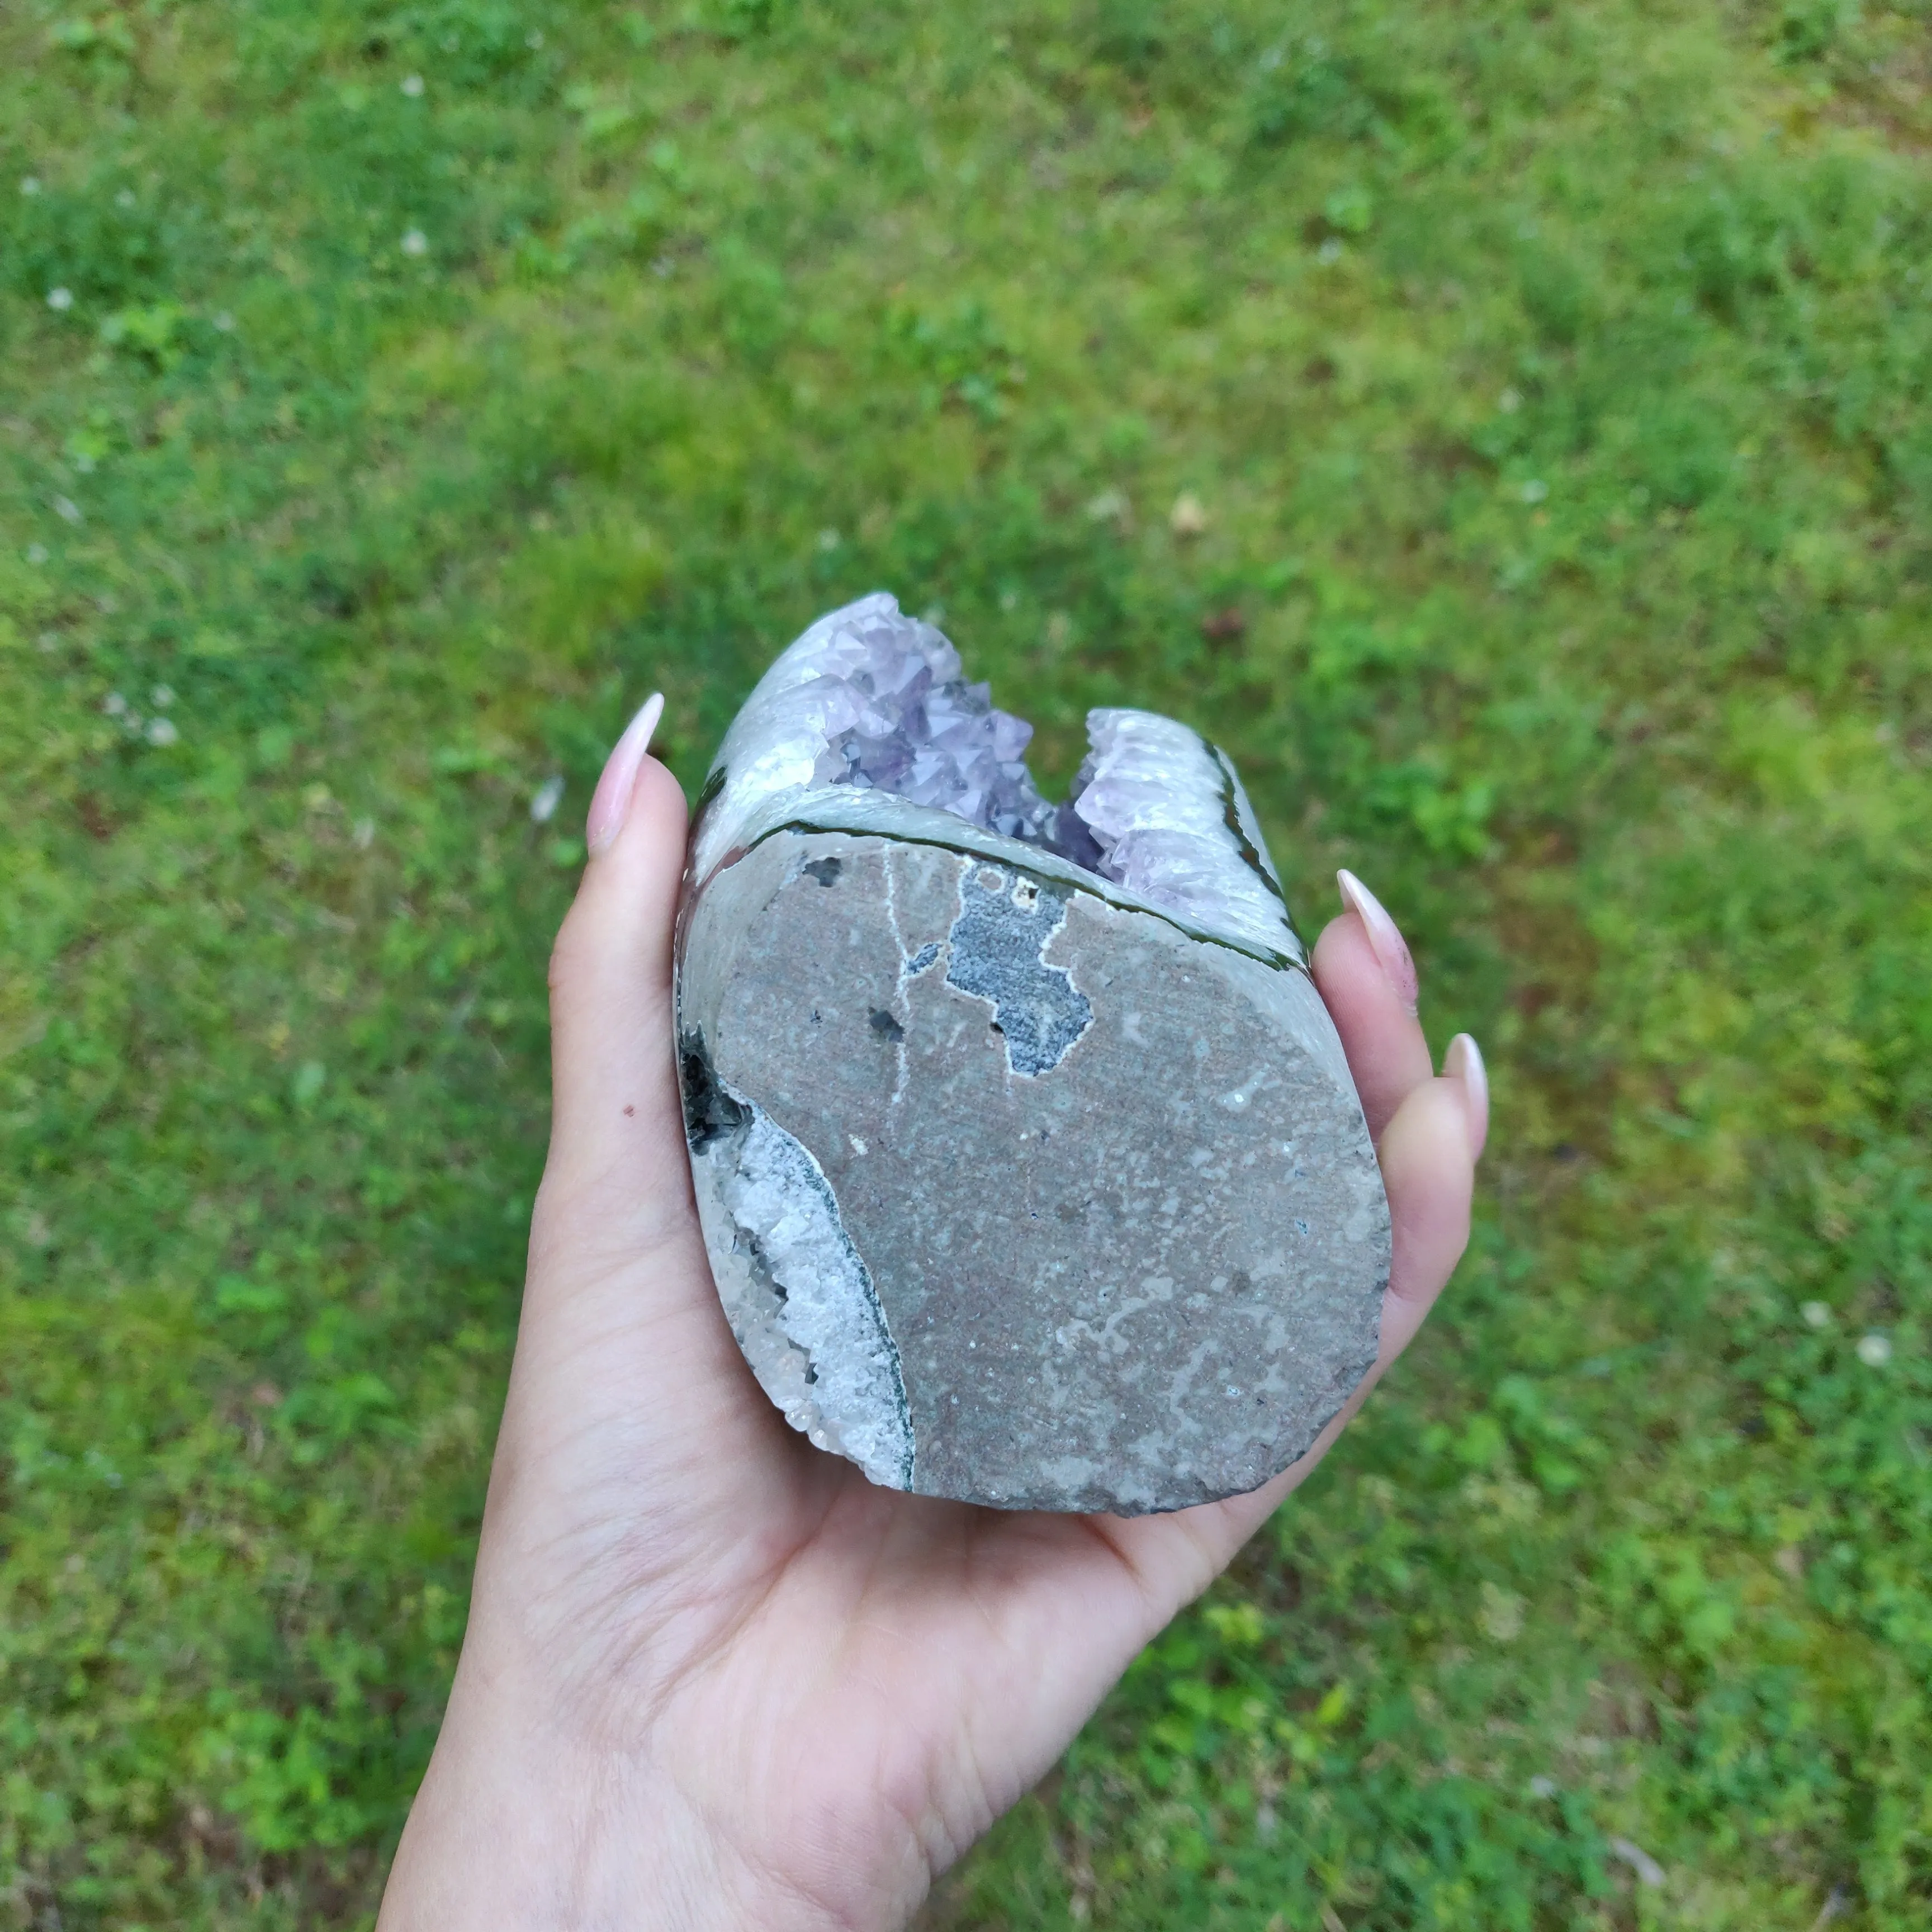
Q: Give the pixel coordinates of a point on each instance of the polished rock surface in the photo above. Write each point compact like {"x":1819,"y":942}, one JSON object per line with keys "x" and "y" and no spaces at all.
{"x":1025,"y":1181}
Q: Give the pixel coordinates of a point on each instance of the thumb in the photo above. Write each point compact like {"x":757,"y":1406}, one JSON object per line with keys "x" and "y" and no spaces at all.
{"x":617,"y":1153}
{"x":626,"y":1381}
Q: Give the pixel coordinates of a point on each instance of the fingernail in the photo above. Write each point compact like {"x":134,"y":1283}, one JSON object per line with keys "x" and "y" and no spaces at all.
{"x":1464,"y":1062}
{"x":1390,"y":948}
{"x":611,"y":803}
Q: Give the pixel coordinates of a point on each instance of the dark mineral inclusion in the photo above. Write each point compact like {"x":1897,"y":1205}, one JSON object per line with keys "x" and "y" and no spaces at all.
{"x":1030,"y":1169}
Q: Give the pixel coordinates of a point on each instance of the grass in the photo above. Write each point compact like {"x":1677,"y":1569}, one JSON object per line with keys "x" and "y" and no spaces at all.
{"x":1552,"y":379}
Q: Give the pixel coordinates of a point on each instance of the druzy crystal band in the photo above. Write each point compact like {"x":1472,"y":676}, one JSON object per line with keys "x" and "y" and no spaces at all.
{"x":1031,"y":1170}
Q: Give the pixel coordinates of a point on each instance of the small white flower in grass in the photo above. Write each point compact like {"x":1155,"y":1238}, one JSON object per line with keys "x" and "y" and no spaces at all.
{"x":36,"y":553}
{"x":60,"y":300}
{"x":1816,"y":1314}
{"x":415,"y":242}
{"x":30,"y":184}
{"x":224,"y":321}
{"x":1330,"y":252}
{"x":1874,"y":1351}
{"x":1540,"y":1786}
{"x":115,"y":705}
{"x":162,"y":696}
{"x":161,"y":731}
{"x":1509,"y":402}
{"x":1535,"y":490}
{"x":413,"y":85}
{"x":547,"y":797}
{"x":68,"y":510}
{"x":829,"y":540}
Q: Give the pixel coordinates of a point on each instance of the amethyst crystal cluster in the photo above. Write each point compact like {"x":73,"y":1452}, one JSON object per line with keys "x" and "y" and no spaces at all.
{"x":878,"y":701}
{"x":1030,"y":1169}
{"x":900,"y":717}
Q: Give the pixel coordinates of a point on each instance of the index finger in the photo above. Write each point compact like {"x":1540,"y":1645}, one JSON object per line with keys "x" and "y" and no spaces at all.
{"x":1363,"y":972}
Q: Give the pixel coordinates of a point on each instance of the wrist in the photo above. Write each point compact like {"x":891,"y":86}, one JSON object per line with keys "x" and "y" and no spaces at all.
{"x":520,"y":1825}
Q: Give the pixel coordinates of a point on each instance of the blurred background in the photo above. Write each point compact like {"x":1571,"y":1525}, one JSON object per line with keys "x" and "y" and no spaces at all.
{"x":1503,"y":426}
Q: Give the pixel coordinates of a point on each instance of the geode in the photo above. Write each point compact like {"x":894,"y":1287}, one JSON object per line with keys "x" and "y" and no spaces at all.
{"x":1030,"y":1169}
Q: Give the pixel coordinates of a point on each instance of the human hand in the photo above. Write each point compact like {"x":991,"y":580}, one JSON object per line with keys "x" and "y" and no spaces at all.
{"x":712,"y":1676}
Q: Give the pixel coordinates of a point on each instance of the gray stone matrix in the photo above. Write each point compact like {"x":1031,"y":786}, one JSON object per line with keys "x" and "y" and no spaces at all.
{"x":1022,"y":1184}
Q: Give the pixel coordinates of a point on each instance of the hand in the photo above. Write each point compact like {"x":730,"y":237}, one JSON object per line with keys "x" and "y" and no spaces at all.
{"x":712,"y":1676}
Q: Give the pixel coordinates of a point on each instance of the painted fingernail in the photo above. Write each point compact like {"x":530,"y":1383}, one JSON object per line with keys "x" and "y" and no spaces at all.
{"x":611,"y":803}
{"x":1464,"y":1062}
{"x":1390,"y":948}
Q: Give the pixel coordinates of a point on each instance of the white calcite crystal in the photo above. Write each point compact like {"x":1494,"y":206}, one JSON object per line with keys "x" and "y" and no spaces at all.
{"x":820,"y":1349}
{"x":1165,"y":817}
{"x":1030,"y":1169}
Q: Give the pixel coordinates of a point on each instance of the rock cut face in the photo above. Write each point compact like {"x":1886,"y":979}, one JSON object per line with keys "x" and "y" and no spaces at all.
{"x":1031,"y":1170}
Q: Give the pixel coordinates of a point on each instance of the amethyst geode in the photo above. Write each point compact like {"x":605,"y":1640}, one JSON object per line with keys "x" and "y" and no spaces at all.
{"x":1030,"y":1169}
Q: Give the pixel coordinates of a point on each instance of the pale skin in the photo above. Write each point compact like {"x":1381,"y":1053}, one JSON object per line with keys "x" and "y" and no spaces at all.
{"x":712,"y":1676}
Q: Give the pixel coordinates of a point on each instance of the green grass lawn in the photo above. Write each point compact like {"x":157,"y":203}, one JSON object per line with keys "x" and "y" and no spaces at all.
{"x":394,"y":395}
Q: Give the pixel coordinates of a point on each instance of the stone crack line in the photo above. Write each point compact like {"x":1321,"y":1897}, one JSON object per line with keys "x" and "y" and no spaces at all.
{"x":901,"y":1004}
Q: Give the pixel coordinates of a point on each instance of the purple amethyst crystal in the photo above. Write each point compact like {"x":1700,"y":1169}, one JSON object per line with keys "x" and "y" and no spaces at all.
{"x":916,"y":728}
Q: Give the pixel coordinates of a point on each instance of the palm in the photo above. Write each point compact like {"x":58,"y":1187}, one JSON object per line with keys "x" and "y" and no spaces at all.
{"x":846,"y":1684}
{"x":839,"y":1651}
